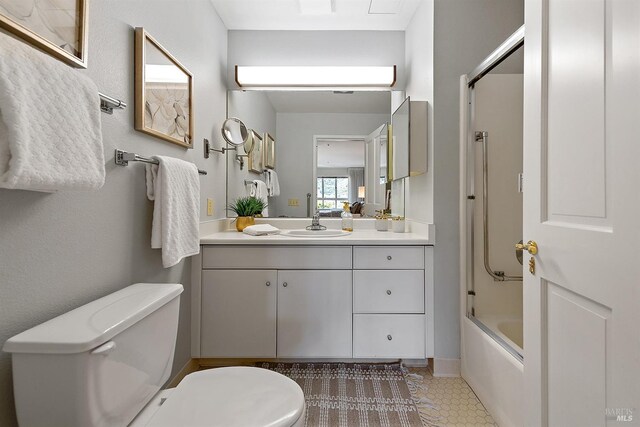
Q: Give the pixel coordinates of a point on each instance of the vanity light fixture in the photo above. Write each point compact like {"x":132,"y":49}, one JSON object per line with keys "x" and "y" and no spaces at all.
{"x":315,"y":76}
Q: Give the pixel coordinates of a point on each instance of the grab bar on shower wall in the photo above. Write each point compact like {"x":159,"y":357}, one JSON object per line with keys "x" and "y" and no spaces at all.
{"x":483,"y":136}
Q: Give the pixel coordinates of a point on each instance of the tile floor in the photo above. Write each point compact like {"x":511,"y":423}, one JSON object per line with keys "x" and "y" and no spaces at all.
{"x":456,"y":404}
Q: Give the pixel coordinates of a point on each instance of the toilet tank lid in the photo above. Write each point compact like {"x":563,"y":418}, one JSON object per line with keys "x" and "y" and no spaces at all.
{"x":94,"y":323}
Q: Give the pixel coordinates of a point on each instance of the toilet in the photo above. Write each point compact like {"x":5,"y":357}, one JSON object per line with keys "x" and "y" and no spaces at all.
{"x":103,"y":364}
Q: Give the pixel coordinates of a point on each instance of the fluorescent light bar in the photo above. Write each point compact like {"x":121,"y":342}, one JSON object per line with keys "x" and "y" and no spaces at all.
{"x":315,"y":76}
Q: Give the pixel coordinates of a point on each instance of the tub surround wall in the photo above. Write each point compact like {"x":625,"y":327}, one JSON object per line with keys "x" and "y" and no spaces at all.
{"x":60,"y":251}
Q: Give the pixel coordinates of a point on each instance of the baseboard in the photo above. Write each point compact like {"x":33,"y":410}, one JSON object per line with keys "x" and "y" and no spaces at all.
{"x":445,"y":367}
{"x":191,"y":366}
{"x":194,"y":365}
{"x":219,"y":362}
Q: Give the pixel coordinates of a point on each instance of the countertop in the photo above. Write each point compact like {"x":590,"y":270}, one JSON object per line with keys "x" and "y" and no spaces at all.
{"x":357,"y":237}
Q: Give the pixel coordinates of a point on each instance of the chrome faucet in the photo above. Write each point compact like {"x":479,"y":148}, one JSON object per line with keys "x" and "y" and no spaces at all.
{"x":315,"y":222}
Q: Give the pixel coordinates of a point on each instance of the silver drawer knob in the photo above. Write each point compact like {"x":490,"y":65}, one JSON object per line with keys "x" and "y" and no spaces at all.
{"x":268,"y":283}
{"x":285,"y":284}
{"x":389,"y":337}
{"x":388,"y":291}
{"x":389,"y":257}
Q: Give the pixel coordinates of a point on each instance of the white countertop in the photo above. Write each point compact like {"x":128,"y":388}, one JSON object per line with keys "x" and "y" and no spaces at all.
{"x":357,"y":237}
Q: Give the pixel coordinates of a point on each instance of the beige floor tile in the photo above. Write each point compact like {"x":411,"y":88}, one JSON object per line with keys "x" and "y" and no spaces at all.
{"x":456,"y":405}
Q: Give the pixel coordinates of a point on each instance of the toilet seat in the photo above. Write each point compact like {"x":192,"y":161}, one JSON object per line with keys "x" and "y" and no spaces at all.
{"x":233,"y":396}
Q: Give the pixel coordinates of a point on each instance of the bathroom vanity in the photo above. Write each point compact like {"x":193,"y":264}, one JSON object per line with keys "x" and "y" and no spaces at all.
{"x":365,"y":296}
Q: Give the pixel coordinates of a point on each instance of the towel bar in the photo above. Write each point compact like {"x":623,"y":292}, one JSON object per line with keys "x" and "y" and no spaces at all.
{"x":122,"y":158}
{"x":107,"y":103}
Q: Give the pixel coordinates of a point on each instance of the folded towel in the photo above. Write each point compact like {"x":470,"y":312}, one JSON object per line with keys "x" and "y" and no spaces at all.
{"x":273,"y":185}
{"x":174,"y":185}
{"x":50,"y":134}
{"x":261,"y":230}
{"x":260,"y":192}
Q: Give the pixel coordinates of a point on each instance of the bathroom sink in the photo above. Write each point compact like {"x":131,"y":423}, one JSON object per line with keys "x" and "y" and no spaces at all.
{"x":316,"y":233}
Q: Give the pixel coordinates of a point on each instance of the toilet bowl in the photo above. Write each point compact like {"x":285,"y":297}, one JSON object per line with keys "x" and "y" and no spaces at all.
{"x":230,"y":397}
{"x":103,"y":364}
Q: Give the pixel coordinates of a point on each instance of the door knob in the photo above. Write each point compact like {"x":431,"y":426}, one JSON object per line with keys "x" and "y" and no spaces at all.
{"x":531,"y":246}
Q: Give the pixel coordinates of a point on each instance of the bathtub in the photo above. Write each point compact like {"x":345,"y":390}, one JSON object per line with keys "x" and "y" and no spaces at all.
{"x":493,"y":367}
{"x":508,"y":329}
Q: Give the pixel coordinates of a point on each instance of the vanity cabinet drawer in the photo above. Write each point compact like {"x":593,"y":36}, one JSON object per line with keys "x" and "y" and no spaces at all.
{"x":389,"y":336}
{"x":388,"y":257}
{"x":277,"y":257}
{"x":388,"y":291}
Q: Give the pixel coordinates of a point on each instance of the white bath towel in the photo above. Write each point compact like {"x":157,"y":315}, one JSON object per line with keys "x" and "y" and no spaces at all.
{"x":50,"y":134}
{"x":261,"y":230}
{"x":174,"y":185}
{"x":259,"y":191}
{"x":273,"y":185}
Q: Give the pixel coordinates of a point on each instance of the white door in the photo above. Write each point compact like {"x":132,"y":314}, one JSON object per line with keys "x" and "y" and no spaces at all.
{"x":374,"y":194}
{"x":314,"y":313}
{"x":582,"y":207}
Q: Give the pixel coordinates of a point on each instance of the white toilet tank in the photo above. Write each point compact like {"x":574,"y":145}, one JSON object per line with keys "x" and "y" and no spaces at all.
{"x":97,"y":365}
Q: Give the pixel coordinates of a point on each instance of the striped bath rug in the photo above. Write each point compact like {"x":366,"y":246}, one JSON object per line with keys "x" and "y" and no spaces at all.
{"x":354,"y":394}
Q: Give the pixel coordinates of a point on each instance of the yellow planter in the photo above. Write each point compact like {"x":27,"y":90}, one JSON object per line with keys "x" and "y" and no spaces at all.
{"x":243,"y":222}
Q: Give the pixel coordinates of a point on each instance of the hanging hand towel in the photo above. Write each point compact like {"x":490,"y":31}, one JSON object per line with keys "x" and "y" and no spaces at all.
{"x":262,"y":194}
{"x":50,"y":135}
{"x":174,"y":185}
{"x":273,"y":185}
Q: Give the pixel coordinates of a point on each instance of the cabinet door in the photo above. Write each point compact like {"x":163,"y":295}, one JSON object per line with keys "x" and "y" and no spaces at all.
{"x":314,"y":313}
{"x":238,"y":313}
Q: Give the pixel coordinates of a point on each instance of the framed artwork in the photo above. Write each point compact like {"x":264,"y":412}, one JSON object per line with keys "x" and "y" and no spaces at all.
{"x":269,"y":151}
{"x":57,"y":27}
{"x":255,"y":156}
{"x":163,"y":93}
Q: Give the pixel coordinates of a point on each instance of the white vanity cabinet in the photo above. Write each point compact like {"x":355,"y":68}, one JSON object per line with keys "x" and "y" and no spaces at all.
{"x":389,"y":302}
{"x":306,"y":302}
{"x":239,"y":313}
{"x":314,"y":313}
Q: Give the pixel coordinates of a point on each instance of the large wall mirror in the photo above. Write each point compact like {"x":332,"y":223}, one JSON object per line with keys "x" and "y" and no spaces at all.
{"x":329,"y":147}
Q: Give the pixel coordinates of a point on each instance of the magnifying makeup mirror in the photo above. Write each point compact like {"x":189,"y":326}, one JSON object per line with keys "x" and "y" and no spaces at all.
{"x":237,"y":134}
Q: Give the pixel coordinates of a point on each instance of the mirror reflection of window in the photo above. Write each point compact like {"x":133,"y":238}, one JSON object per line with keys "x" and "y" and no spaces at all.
{"x":332,"y":192}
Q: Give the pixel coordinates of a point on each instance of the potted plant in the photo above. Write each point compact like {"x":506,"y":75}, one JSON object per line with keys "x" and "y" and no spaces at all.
{"x":246,"y":208}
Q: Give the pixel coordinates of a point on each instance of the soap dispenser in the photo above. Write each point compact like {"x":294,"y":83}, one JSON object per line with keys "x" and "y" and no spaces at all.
{"x":347,"y":218}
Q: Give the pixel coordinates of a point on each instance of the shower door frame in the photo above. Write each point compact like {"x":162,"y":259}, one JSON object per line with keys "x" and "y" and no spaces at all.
{"x":467,"y":181}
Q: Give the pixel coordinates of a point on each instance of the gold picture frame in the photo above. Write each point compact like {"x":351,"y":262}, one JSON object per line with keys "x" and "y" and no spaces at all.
{"x":60,"y":32}
{"x":163,"y":92}
{"x":269,"y":151}
{"x":255,"y":156}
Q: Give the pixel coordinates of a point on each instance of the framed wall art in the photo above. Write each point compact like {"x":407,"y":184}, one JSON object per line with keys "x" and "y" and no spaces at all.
{"x":57,"y":27}
{"x":255,"y":156}
{"x":163,"y":93}
{"x":269,"y":151}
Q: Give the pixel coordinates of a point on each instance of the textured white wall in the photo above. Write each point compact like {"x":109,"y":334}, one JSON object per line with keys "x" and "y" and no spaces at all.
{"x":419,"y":78}
{"x":316,"y":48}
{"x":465,"y":32}
{"x":59,"y":251}
{"x":294,"y":150}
